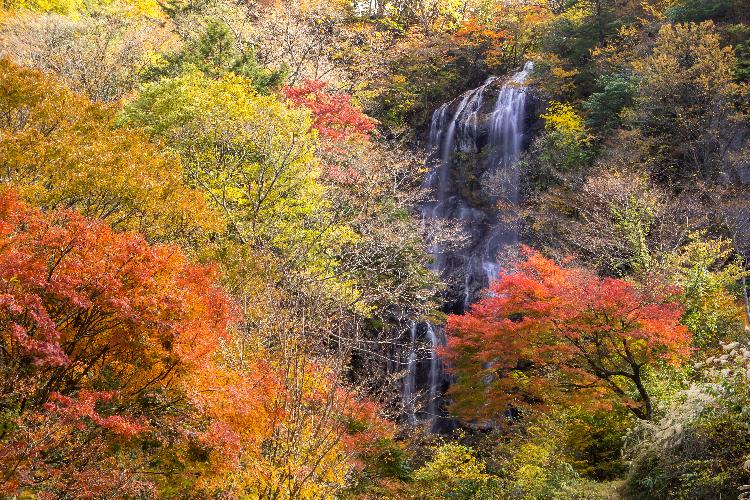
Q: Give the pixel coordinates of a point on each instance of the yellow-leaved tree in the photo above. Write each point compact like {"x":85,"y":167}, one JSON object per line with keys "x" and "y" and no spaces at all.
{"x":255,"y":159}
{"x":58,"y":149}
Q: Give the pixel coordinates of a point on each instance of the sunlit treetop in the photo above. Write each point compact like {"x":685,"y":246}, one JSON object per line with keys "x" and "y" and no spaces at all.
{"x":563,"y":118}
{"x":77,"y":8}
{"x":255,"y":158}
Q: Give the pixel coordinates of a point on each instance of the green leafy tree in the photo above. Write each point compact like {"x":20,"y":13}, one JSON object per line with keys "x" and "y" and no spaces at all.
{"x":739,"y":36}
{"x":565,"y":148}
{"x":567,"y":143}
{"x":702,"y":10}
{"x":604,"y":107}
{"x":707,"y":270}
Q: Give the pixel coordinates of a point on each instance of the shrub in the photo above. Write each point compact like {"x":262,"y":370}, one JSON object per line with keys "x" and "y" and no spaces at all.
{"x":566,"y":144}
{"x":454,"y":472}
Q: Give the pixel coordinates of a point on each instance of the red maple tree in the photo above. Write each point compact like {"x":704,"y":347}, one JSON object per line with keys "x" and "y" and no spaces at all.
{"x":113,"y":381}
{"x":334,"y":115}
{"x":546,"y":332}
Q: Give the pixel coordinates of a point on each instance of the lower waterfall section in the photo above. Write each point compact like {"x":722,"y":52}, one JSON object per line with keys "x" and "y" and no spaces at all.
{"x":410,"y":380}
{"x":425,"y":381}
{"x":475,"y":142}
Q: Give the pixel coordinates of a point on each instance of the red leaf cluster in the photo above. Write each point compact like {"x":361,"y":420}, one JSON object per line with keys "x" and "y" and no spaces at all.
{"x":81,"y":410}
{"x":334,"y":115}
{"x":73,"y":292}
{"x":83,"y":307}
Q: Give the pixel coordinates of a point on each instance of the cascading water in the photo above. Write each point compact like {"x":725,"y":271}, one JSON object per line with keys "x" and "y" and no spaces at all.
{"x":410,"y":381}
{"x":506,"y":136}
{"x":495,"y":137}
{"x":435,"y":374}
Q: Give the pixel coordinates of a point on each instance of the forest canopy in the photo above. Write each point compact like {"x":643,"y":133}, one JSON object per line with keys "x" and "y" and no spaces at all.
{"x":468,"y":249}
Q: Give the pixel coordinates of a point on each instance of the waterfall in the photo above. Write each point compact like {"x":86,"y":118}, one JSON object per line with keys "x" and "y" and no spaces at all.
{"x":502,"y":140}
{"x":506,"y":122}
{"x":435,"y":379}
{"x":438,"y":119}
{"x":494,"y":135}
{"x":410,"y":380}
{"x":505,"y":143}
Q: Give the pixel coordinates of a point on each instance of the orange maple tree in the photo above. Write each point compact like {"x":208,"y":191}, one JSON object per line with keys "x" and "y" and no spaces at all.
{"x":496,"y":44}
{"x":93,"y":323}
{"x":546,"y":332}
{"x":114,"y":380}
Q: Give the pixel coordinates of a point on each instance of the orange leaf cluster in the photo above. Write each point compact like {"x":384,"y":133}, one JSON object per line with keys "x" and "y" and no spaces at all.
{"x":84,"y":308}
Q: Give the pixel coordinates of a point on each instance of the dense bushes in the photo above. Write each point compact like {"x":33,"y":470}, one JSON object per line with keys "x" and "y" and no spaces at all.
{"x":685,"y":11}
{"x":224,"y":351}
{"x":700,"y":446}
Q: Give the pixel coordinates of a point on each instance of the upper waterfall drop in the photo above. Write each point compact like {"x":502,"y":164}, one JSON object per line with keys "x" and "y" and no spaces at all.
{"x":506,"y":135}
{"x":474,"y":143}
{"x":507,"y":121}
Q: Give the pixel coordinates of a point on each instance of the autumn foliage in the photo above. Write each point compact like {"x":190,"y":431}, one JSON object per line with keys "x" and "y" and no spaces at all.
{"x":59,"y":149}
{"x":334,"y":115}
{"x":494,"y":43}
{"x":90,"y":319}
{"x":112,"y":368}
{"x":547,"y":332}
{"x":77,"y":295}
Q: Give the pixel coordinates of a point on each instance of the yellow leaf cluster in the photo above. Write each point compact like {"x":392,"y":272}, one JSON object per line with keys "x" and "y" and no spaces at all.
{"x":58,"y":149}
